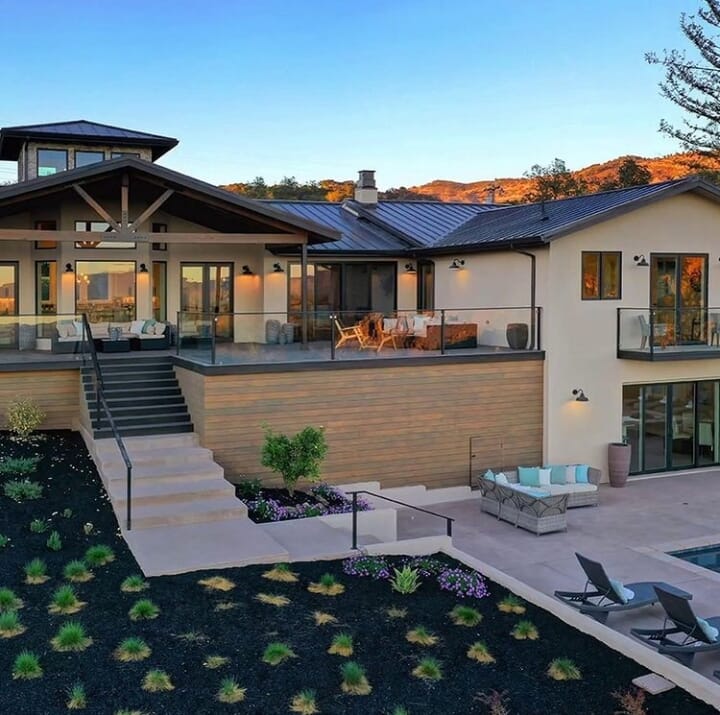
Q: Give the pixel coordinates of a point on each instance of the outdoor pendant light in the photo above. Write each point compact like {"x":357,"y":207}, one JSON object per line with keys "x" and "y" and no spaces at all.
{"x":580,"y":396}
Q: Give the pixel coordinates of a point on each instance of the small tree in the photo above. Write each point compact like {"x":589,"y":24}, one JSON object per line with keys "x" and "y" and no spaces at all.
{"x":295,"y":458}
{"x":554,"y":181}
{"x":23,"y":418}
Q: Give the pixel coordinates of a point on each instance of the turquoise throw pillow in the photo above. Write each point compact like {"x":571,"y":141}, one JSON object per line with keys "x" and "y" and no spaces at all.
{"x":557,"y":474}
{"x":529,"y":476}
{"x":489,"y":475}
{"x":581,"y":474}
{"x":148,"y":324}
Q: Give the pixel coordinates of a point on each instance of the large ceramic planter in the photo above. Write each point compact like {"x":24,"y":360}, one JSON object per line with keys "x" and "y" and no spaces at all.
{"x":517,"y":335}
{"x":619,"y":455}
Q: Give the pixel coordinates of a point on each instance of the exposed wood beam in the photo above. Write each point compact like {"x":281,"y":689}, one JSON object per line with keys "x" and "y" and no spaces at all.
{"x":125,"y":203}
{"x":99,"y":210}
{"x":150,"y":210}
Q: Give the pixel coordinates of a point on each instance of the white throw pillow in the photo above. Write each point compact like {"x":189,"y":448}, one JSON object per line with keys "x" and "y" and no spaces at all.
{"x":159,"y":328}
{"x":544,"y":475}
{"x":625,"y":595}
{"x":570,"y":474}
{"x":136,"y":326}
{"x":389,"y":324}
{"x":711,"y":633}
{"x":501,"y":478}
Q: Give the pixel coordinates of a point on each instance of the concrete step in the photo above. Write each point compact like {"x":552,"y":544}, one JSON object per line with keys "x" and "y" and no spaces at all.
{"x":150,"y":419}
{"x":160,"y":457}
{"x":147,"y":445}
{"x":148,"y":516}
{"x":177,"y":472}
{"x":146,"y":431}
{"x":133,"y":410}
{"x":162,"y":492}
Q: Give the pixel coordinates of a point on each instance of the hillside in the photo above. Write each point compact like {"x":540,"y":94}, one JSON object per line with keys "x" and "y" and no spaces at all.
{"x":512,"y":190}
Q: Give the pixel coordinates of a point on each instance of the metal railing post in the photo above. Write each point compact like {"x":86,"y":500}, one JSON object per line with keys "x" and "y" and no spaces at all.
{"x":213,"y":339}
{"x":177,"y":334}
{"x":332,"y":336}
{"x":354,"y":520}
{"x":448,"y":527}
{"x":129,"y":498}
{"x":652,"y":332}
{"x":539,"y":329}
{"x":442,"y":331}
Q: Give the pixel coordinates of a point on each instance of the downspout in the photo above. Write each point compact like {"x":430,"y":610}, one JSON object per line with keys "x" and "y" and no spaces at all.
{"x":533,"y":290}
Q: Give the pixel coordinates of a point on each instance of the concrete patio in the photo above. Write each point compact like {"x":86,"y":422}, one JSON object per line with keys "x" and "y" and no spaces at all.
{"x":630,"y":533}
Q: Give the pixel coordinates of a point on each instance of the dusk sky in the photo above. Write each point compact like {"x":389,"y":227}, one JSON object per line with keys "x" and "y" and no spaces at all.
{"x":416,"y":89}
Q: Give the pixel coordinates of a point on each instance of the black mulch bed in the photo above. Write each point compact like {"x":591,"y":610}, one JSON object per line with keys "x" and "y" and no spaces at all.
{"x":241,"y":631}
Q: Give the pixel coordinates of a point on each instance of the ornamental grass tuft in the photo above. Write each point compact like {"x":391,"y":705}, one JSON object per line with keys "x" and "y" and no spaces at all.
{"x":157,"y":681}
{"x":77,"y":697}
{"x":354,"y":680}
{"x":19,"y":465}
{"x":428,"y":669}
{"x":277,"y":653}
{"x":396,"y":613}
{"x":10,"y":625}
{"x":99,"y":555}
{"x":27,"y":666}
{"x":132,"y":650}
{"x":342,"y":644}
{"x":512,"y":604}
{"x":71,"y":638}
{"x":21,"y":490}
{"x":65,"y":601}
{"x":282,"y":573}
{"x":480,"y":653}
{"x":273,"y":599}
{"x":39,"y":526}
{"x":9,"y":601}
{"x":217,"y":583}
{"x":134,"y":584}
{"x":421,"y":636}
{"x":304,"y":703}
{"x":525,"y":631}
{"x":35,"y":572}
{"x":77,"y":572}
{"x":213,"y":662}
{"x":230,"y":691}
{"x":405,"y":580}
{"x":143,"y":610}
{"x":327,"y":585}
{"x":465,"y":616}
{"x":54,"y":542}
{"x":323,"y":619}
{"x":563,"y":669}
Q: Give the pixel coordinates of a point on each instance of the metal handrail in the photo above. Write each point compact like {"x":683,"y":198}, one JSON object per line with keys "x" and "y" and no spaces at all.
{"x":100,"y":401}
{"x":448,"y":519}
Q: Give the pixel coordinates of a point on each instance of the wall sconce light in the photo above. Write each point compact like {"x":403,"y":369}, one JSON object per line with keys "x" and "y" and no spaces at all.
{"x":641,"y":261}
{"x":69,"y":268}
{"x":143,"y":268}
{"x":277,"y":268}
{"x":457,"y":264}
{"x":410,"y":268}
{"x":246,"y":271}
{"x":580,"y":396}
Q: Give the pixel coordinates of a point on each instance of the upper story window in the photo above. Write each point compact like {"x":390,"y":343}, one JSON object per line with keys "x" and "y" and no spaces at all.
{"x":99,"y":227}
{"x":601,"y":275}
{"x":83,"y":158}
{"x":118,"y":154}
{"x":50,"y":161}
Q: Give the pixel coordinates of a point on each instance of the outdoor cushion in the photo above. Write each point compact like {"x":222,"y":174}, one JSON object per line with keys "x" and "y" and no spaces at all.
{"x":556,"y":489}
{"x":489,"y":475}
{"x":136,"y":326}
{"x":66,"y":330}
{"x":710,"y":632}
{"x":557,"y":474}
{"x":99,"y":330}
{"x":148,"y":324}
{"x":501,"y":479}
{"x":570,"y":474}
{"x":160,"y":329}
{"x":529,"y":476}
{"x":581,"y":473}
{"x":124,"y":327}
{"x":624,"y":594}
{"x":544,"y":476}
{"x":531,"y":491}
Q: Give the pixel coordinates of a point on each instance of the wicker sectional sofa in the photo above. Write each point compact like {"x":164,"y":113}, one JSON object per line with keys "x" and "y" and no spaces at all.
{"x":578,"y":494}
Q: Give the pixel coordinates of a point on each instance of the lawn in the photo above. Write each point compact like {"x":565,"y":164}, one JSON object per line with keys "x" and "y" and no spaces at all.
{"x":241,"y":636}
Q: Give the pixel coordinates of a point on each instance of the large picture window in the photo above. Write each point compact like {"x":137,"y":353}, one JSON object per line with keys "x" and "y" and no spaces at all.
{"x":601,"y":275}
{"x":50,"y":161}
{"x":105,"y":290}
{"x":84,"y":158}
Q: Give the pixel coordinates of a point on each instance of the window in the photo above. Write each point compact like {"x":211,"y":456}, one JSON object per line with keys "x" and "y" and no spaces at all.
{"x":601,"y":275}
{"x":119,"y":154}
{"x":46,"y":287}
{"x":105,"y":290}
{"x":425,"y":285}
{"x":83,"y":158}
{"x":45,"y":226}
{"x":50,"y":161}
{"x":159,"y":290}
{"x":99,"y":227}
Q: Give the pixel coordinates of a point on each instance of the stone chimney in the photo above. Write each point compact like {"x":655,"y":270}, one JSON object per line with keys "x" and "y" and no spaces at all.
{"x":490,"y":195}
{"x":365,"y":190}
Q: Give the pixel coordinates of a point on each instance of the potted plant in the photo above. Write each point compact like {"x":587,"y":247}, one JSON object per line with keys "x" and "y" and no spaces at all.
{"x":619,"y":454}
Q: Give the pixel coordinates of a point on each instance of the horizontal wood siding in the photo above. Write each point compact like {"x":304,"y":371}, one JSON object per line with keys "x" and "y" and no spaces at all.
{"x":397,"y":425}
{"x":57,"y":392}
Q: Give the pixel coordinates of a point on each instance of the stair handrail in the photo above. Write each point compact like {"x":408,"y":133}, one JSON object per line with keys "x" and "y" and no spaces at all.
{"x":100,"y":401}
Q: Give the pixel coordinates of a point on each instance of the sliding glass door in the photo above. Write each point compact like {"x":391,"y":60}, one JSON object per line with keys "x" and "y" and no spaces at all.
{"x":207,"y":288}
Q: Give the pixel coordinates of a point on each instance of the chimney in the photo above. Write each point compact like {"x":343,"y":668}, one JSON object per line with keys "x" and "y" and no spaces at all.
{"x":365,"y":190}
{"x":489,"y":195}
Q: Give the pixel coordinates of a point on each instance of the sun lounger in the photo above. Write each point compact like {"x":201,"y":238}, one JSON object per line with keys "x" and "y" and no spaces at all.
{"x":683,"y":634}
{"x":603,"y":595}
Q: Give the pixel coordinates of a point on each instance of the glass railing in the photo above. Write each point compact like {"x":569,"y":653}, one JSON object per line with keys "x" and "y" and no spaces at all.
{"x":42,"y":334}
{"x":666,"y":331}
{"x":235,"y":338}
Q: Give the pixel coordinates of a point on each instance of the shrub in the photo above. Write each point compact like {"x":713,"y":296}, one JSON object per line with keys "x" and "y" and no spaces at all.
{"x":512,"y":604}
{"x":277,"y":653}
{"x":563,"y":669}
{"x":4,"y":541}
{"x":479,"y":652}
{"x":20,"y":490}
{"x":71,"y":637}
{"x":631,"y":701}
{"x":354,"y":680}
{"x":35,"y":572}
{"x":281,"y":572}
{"x":426,"y":566}
{"x":19,"y":465}
{"x":134,"y":584}
{"x":375,"y":567}
{"x":23,"y":418}
{"x":54,"y":542}
{"x":327,"y":586}
{"x":10,"y":625}
{"x":465,"y":616}
{"x":157,"y":681}
{"x":248,"y":489}
{"x":143,"y":610}
{"x":88,"y":528}
{"x":465,"y":584}
{"x":396,"y":613}
{"x":217,"y":583}
{"x":400,"y":710}
{"x":525,"y":630}
{"x":428,"y":669}
{"x":323,"y":619}
{"x":26,"y":666}
{"x":406,"y":580}
{"x":132,"y":650}
{"x":77,"y":698}
{"x":9,"y":601}
{"x":295,"y":458}
{"x":265,"y":509}
{"x":272,"y":599}
{"x":342,"y":644}
{"x":99,"y":555}
{"x":421,"y":636}
{"x":213,"y":662}
{"x":39,"y":526}
{"x":304,"y":703}
{"x":77,"y":572}
{"x":230,"y":691}
{"x":65,"y":601}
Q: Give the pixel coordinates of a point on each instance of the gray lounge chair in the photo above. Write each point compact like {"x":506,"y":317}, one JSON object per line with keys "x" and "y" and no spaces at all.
{"x":691,"y":637}
{"x":604,"y":600}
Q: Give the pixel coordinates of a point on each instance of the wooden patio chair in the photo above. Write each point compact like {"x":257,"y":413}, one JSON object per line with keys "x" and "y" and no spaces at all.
{"x":398,"y":331}
{"x":349,"y":334}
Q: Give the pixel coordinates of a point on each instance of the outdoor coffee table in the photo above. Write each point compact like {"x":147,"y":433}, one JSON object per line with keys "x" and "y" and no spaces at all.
{"x":107,"y":345}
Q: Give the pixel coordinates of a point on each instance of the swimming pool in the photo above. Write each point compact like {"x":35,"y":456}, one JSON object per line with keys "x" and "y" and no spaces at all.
{"x":706,"y":556}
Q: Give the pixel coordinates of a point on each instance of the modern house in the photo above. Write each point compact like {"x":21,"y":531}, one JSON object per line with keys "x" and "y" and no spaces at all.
{"x":497,"y":319}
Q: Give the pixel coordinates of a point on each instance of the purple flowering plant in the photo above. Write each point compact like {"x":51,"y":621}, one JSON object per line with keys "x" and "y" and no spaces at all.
{"x":465,"y":584}
{"x":375,"y":567}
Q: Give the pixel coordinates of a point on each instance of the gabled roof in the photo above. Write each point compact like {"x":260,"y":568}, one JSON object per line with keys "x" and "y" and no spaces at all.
{"x":542,"y":222}
{"x":80,"y":130}
{"x":185,"y":187}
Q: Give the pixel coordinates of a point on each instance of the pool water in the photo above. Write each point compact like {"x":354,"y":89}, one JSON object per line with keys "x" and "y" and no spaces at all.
{"x":706,"y":556}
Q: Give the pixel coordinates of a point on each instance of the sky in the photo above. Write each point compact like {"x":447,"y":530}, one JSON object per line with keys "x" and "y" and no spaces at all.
{"x":415,"y":89}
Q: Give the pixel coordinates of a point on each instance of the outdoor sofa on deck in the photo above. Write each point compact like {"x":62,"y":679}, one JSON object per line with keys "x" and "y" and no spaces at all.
{"x":142,"y":334}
